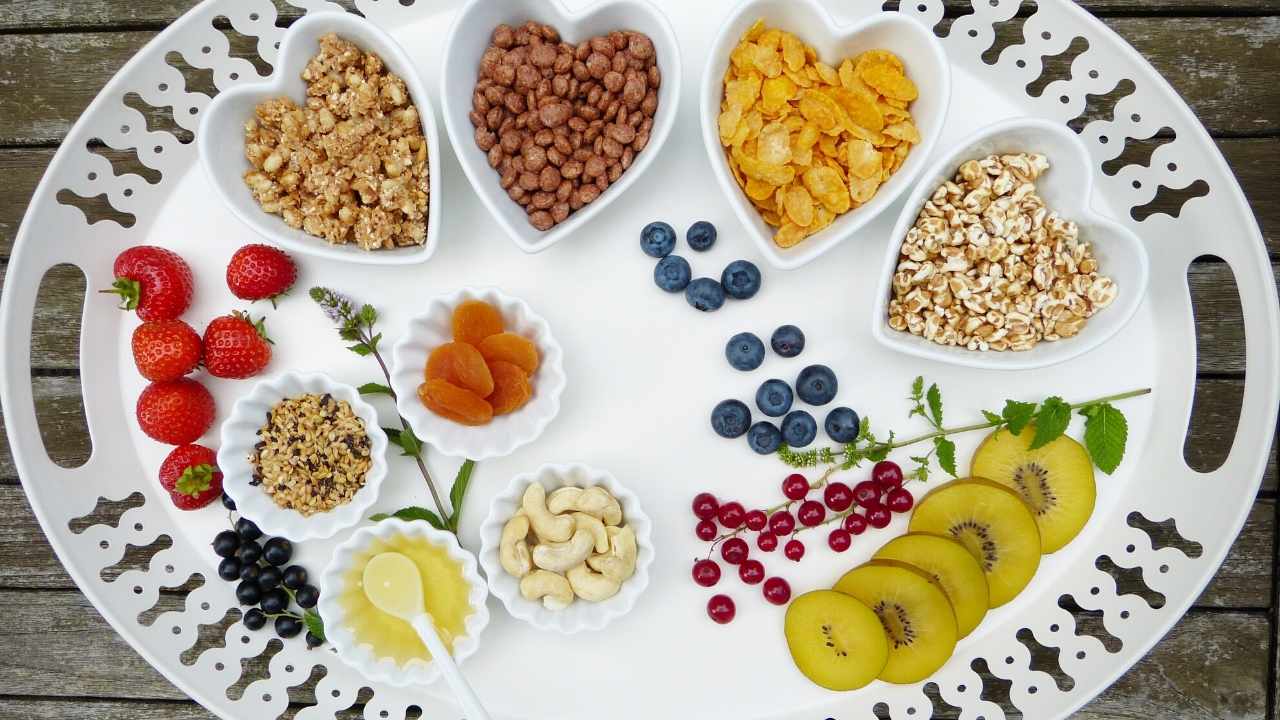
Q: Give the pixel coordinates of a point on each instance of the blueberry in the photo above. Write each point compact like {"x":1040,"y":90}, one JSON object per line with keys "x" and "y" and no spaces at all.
{"x":764,"y":437}
{"x":842,"y":425}
{"x":701,"y":236}
{"x":248,"y":592}
{"x":269,"y":578}
{"x":277,"y":551}
{"x":774,"y":398}
{"x":314,"y":641}
{"x":741,"y":279}
{"x":228,"y":503}
{"x":744,"y":351}
{"x":799,"y":428}
{"x":247,"y":530}
{"x":817,"y":385}
{"x":730,"y":418}
{"x":705,"y":294}
{"x":295,"y":576}
{"x":229,"y":569}
{"x":274,"y":602}
{"x":307,"y":596}
{"x":250,"y":572}
{"x":657,"y":239}
{"x":787,"y":341}
{"x":249,"y":553}
{"x":672,"y":273}
{"x":288,"y":626}
{"x":255,"y":619}
{"x":226,"y":543}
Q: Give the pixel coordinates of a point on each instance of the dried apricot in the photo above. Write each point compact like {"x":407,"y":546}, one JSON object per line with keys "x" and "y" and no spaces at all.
{"x":475,"y":320}
{"x":454,"y":403}
{"x":510,"y":387}
{"x":512,"y":348}
{"x":461,"y":364}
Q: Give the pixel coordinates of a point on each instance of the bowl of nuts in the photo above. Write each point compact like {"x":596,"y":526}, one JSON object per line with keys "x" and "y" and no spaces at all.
{"x":554,"y":113}
{"x":336,"y":154}
{"x":999,"y":261}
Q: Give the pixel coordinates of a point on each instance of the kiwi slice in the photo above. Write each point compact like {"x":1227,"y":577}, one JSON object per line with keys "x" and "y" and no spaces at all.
{"x":835,"y":640}
{"x":915,"y":614}
{"x":1055,"y":481}
{"x":993,"y":524}
{"x":950,"y":565}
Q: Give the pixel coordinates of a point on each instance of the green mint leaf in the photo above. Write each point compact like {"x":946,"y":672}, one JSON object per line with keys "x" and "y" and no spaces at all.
{"x":393,"y":436}
{"x":1051,"y":421}
{"x":349,"y":334}
{"x":411,"y":513}
{"x":459,"y":490}
{"x":314,"y":623}
{"x":1105,"y":433}
{"x":410,"y":443}
{"x":917,"y":388}
{"x":992,"y":417}
{"x":1017,"y":414}
{"x":368,"y":315}
{"x":934,"y":396}
{"x":195,"y":479}
{"x":374,"y":389}
{"x":946,"y":454}
{"x":373,"y":342}
{"x":360,"y":349}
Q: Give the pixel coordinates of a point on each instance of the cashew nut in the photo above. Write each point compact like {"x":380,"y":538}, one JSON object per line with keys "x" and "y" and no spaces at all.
{"x":562,"y":499}
{"x":593,"y":525}
{"x":619,"y":563}
{"x":554,"y":590}
{"x":513,"y":552}
{"x":598,"y":502}
{"x":548,"y":527}
{"x":560,"y":556}
{"x":591,"y":586}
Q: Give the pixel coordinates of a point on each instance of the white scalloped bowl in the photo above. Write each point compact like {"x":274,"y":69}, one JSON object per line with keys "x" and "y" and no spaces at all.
{"x":466,"y":42}
{"x":434,"y":327}
{"x":925,"y":62}
{"x":1067,"y":187}
{"x":581,"y":615}
{"x":360,"y":656}
{"x":239,"y":433}
{"x":220,"y":140}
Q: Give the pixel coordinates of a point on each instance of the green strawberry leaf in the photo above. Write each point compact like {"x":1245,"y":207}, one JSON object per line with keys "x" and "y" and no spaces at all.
{"x":1017,"y":414}
{"x":934,"y":397}
{"x":195,"y":480}
{"x":459,"y":490}
{"x":314,"y":623}
{"x":411,"y":513}
{"x":130,"y":291}
{"x":1105,"y":433}
{"x":946,"y":454}
{"x":1051,"y":421}
{"x":374,"y":389}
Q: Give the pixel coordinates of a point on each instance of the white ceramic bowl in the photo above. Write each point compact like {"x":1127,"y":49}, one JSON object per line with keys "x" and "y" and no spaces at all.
{"x":220,"y":141}
{"x":581,"y":615}
{"x":240,"y":433}
{"x":467,"y":41}
{"x":360,"y":655}
{"x":434,"y":327}
{"x":925,"y":62}
{"x":1067,"y":187}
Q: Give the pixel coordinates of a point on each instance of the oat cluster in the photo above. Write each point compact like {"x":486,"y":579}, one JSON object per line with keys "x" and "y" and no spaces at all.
{"x":312,"y":455}
{"x":350,"y":165}
{"x":988,"y":267}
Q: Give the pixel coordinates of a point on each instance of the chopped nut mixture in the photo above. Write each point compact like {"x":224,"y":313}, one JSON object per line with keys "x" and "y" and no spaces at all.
{"x":312,"y":454}
{"x":351,"y":165}
{"x":988,"y":267}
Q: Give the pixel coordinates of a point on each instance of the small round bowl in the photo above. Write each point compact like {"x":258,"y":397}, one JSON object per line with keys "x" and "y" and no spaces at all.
{"x":1067,"y":187}
{"x":220,"y":140}
{"x":581,"y":615}
{"x":359,"y":655}
{"x":434,"y":327}
{"x":240,"y":433}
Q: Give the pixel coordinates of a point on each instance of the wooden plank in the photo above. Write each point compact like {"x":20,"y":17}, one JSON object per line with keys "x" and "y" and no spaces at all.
{"x":25,"y":708}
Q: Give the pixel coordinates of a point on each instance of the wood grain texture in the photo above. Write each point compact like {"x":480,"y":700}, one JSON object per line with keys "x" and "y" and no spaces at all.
{"x":23,"y":708}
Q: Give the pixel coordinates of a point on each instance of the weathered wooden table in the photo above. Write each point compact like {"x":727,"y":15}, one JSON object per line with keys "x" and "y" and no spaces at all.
{"x":59,"y":659}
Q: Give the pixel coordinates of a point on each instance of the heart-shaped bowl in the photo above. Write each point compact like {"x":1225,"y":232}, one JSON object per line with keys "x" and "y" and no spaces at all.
{"x":1066,"y":187}
{"x":467,"y":41}
{"x":220,"y":141}
{"x":925,"y":63}
{"x":434,"y":327}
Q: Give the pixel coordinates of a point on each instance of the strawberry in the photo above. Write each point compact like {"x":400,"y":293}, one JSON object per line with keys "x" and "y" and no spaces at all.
{"x":235,"y":346}
{"x":165,"y":349}
{"x":175,"y":411}
{"x":260,"y":272}
{"x":190,"y":474}
{"x":154,"y":281}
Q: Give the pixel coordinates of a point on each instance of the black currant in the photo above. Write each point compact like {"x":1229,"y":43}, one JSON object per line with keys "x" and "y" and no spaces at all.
{"x":269,"y":578}
{"x":226,"y":543}
{"x":227,"y":502}
{"x":274,"y":602}
{"x":229,"y":569}
{"x":250,"y":552}
{"x":255,"y":619}
{"x":314,"y":641}
{"x":247,"y":530}
{"x":307,"y":596}
{"x":277,"y":551}
{"x":288,"y":626}
{"x":295,"y":576}
{"x":250,"y":572}
{"x":248,"y":593}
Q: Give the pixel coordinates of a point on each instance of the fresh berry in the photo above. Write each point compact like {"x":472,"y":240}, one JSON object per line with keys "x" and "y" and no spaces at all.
{"x":855,"y":523}
{"x":701,"y":236}
{"x":313,"y":640}
{"x":734,"y":550}
{"x":720,"y":608}
{"x":751,"y":572}
{"x":777,"y":591}
{"x":706,"y":573}
{"x":229,"y":569}
{"x":705,"y":506}
{"x":294,"y":577}
{"x":154,"y":281}
{"x":228,"y":503}
{"x":260,"y":272}
{"x":176,"y":412}
{"x":837,"y":496}
{"x":795,"y":487}
{"x":811,"y":513}
{"x":657,"y":239}
{"x":255,"y":619}
{"x":251,"y":572}
{"x":672,"y":273}
{"x":288,"y":626}
{"x":815,"y":385}
{"x":767,"y":542}
{"x":730,"y":418}
{"x":226,"y":543}
{"x":744,"y":351}
{"x":705,"y":530}
{"x":774,"y":397}
{"x":866,"y":493}
{"x":782,"y":523}
{"x":247,"y":530}
{"x":250,"y":552}
{"x":799,"y":428}
{"x":899,"y":500}
{"x":235,"y":346}
{"x":731,"y":515}
{"x":165,"y":349}
{"x":741,"y":279}
{"x":277,"y":551}
{"x":269,"y":579}
{"x":307,"y":596}
{"x":794,"y":550}
{"x":190,"y":474}
{"x":274,"y":602}
{"x":248,"y":592}
{"x":886,"y":474}
{"x":787,"y":341}
{"x":756,"y":520}
{"x":704,"y":294}
{"x":839,"y":540}
{"x":842,"y":425}
{"x":764,"y":437}
{"x":878,"y":516}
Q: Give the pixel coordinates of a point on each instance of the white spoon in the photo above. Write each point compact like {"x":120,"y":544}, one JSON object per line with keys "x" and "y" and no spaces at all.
{"x":393,"y":585}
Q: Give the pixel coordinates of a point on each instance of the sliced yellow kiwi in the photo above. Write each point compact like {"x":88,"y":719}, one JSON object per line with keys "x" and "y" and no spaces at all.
{"x":950,"y":565}
{"x":1055,"y":481}
{"x":915,"y":614}
{"x":993,"y":524}
{"x":835,"y":640}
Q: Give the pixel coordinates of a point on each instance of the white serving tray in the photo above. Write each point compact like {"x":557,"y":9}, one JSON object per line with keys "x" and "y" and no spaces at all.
{"x":645,"y":372}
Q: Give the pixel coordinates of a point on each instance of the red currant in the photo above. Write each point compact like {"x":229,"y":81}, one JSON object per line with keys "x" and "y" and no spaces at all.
{"x":782,"y":523}
{"x":706,"y":573}
{"x":838,"y":496}
{"x":866,"y":493}
{"x":731,"y":515}
{"x":886,"y":474}
{"x":794,"y":550}
{"x":767,"y":541}
{"x":839,"y":540}
{"x":720,"y":608}
{"x":706,"y":530}
{"x":795,"y":487}
{"x":811,"y":513}
{"x":734,"y":550}
{"x":751,"y":572}
{"x":777,"y":591}
{"x":878,"y":516}
{"x":855,"y":523}
{"x":705,"y":506}
{"x":900,"y":500}
{"x":756,"y":520}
